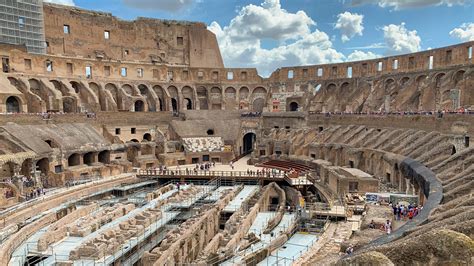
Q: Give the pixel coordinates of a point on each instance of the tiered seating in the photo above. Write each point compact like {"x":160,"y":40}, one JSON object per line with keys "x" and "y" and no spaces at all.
{"x":205,"y":144}
{"x":286,"y":166}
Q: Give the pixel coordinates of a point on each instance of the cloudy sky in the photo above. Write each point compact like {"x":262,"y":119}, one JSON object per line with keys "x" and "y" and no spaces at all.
{"x":268,"y":34}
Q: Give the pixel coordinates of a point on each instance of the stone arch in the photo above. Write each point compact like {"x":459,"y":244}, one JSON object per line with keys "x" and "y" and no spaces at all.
{"x":174,"y":95}
{"x":96,"y":88}
{"x":258,"y":105}
{"x":216,"y":98}
{"x":404,"y":81}
{"x":467,"y":91}
{"x":34,"y":103}
{"x":89,"y":158}
{"x":38,"y":89}
{"x":331,"y":86}
{"x":345,"y":86}
{"x":86,"y":96}
{"x":116,"y":95}
{"x":294,"y":107}
{"x":188,"y":97}
{"x":248,"y":142}
{"x":230,"y":93}
{"x":147,"y":94}
{"x":69,"y":104}
{"x":438,"y":91}
{"x":161,"y":94}
{"x":128,"y":89}
{"x":188,"y":103}
{"x":43,"y":166}
{"x":389,"y":85}
{"x":139,"y":106}
{"x":58,"y":85}
{"x":104,"y":157}
{"x":438,"y":80}
{"x":244,"y":100}
{"x":73,"y":160}
{"x":244,"y":93}
{"x":13,"y":104}
{"x":420,"y":79}
{"x":203,"y":98}
{"x":458,"y":77}
{"x":452,"y":96}
{"x":147,"y":137}
{"x":259,"y":92}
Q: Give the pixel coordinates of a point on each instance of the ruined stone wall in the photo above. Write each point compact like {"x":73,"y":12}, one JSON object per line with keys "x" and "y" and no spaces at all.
{"x":144,"y":39}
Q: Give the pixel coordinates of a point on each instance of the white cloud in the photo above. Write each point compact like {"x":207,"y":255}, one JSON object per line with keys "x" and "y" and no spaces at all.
{"x":168,"y":5}
{"x":465,"y":32}
{"x":400,"y":40}
{"x":350,"y":25}
{"x":404,"y":4}
{"x":241,"y":41}
{"x":268,"y":21}
{"x":62,"y":2}
{"x":360,"y":55}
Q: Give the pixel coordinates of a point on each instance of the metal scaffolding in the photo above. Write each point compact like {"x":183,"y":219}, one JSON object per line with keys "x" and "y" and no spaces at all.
{"x":21,"y":23}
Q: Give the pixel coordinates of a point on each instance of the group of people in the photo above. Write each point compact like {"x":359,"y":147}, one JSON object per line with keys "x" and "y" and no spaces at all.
{"x":264,"y":172}
{"x":438,"y":113}
{"x":91,"y":115}
{"x":402,"y":212}
{"x":251,"y":114}
{"x":205,"y":166}
{"x":387,"y":226}
{"x":34,"y":193}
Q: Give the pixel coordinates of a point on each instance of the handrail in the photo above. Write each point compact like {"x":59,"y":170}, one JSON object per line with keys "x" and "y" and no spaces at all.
{"x":192,"y":173}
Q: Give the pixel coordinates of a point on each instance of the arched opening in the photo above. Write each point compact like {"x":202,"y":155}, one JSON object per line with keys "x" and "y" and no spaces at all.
{"x":69,"y":104}
{"x":294,"y":107}
{"x":189,"y":103}
{"x":73,"y":160}
{"x":147,"y":137}
{"x":75,"y":86}
{"x":143,"y":90}
{"x":453,"y":150}
{"x":203,"y":98}
{"x":135,"y":140}
{"x":13,"y":105}
{"x":248,"y":142}
{"x":26,"y":167}
{"x":210,"y":132}
{"x":89,"y":158}
{"x":104,"y":157}
{"x":160,"y":93}
{"x":162,"y":108}
{"x":174,"y":105}
{"x":258,"y":105}
{"x":43,"y":166}
{"x":51,"y":143}
{"x":139,"y":106}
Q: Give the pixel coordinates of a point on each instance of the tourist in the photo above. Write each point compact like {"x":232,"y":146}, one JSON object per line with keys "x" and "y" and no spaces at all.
{"x":349,"y":250}
{"x":372,"y":224}
{"x":388,"y":227}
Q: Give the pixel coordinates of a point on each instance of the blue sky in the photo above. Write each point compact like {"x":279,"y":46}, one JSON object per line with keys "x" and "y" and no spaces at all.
{"x":268,"y":34}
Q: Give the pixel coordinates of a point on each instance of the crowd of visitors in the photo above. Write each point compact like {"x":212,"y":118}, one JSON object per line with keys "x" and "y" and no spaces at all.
{"x":34,"y":193}
{"x":402,"y":212}
{"x":439,"y":113}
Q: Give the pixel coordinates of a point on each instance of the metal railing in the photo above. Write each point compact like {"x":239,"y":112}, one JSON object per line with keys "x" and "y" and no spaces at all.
{"x":210,"y":173}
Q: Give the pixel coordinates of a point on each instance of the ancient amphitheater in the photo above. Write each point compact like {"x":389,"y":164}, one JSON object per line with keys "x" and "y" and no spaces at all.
{"x":129,"y":143}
